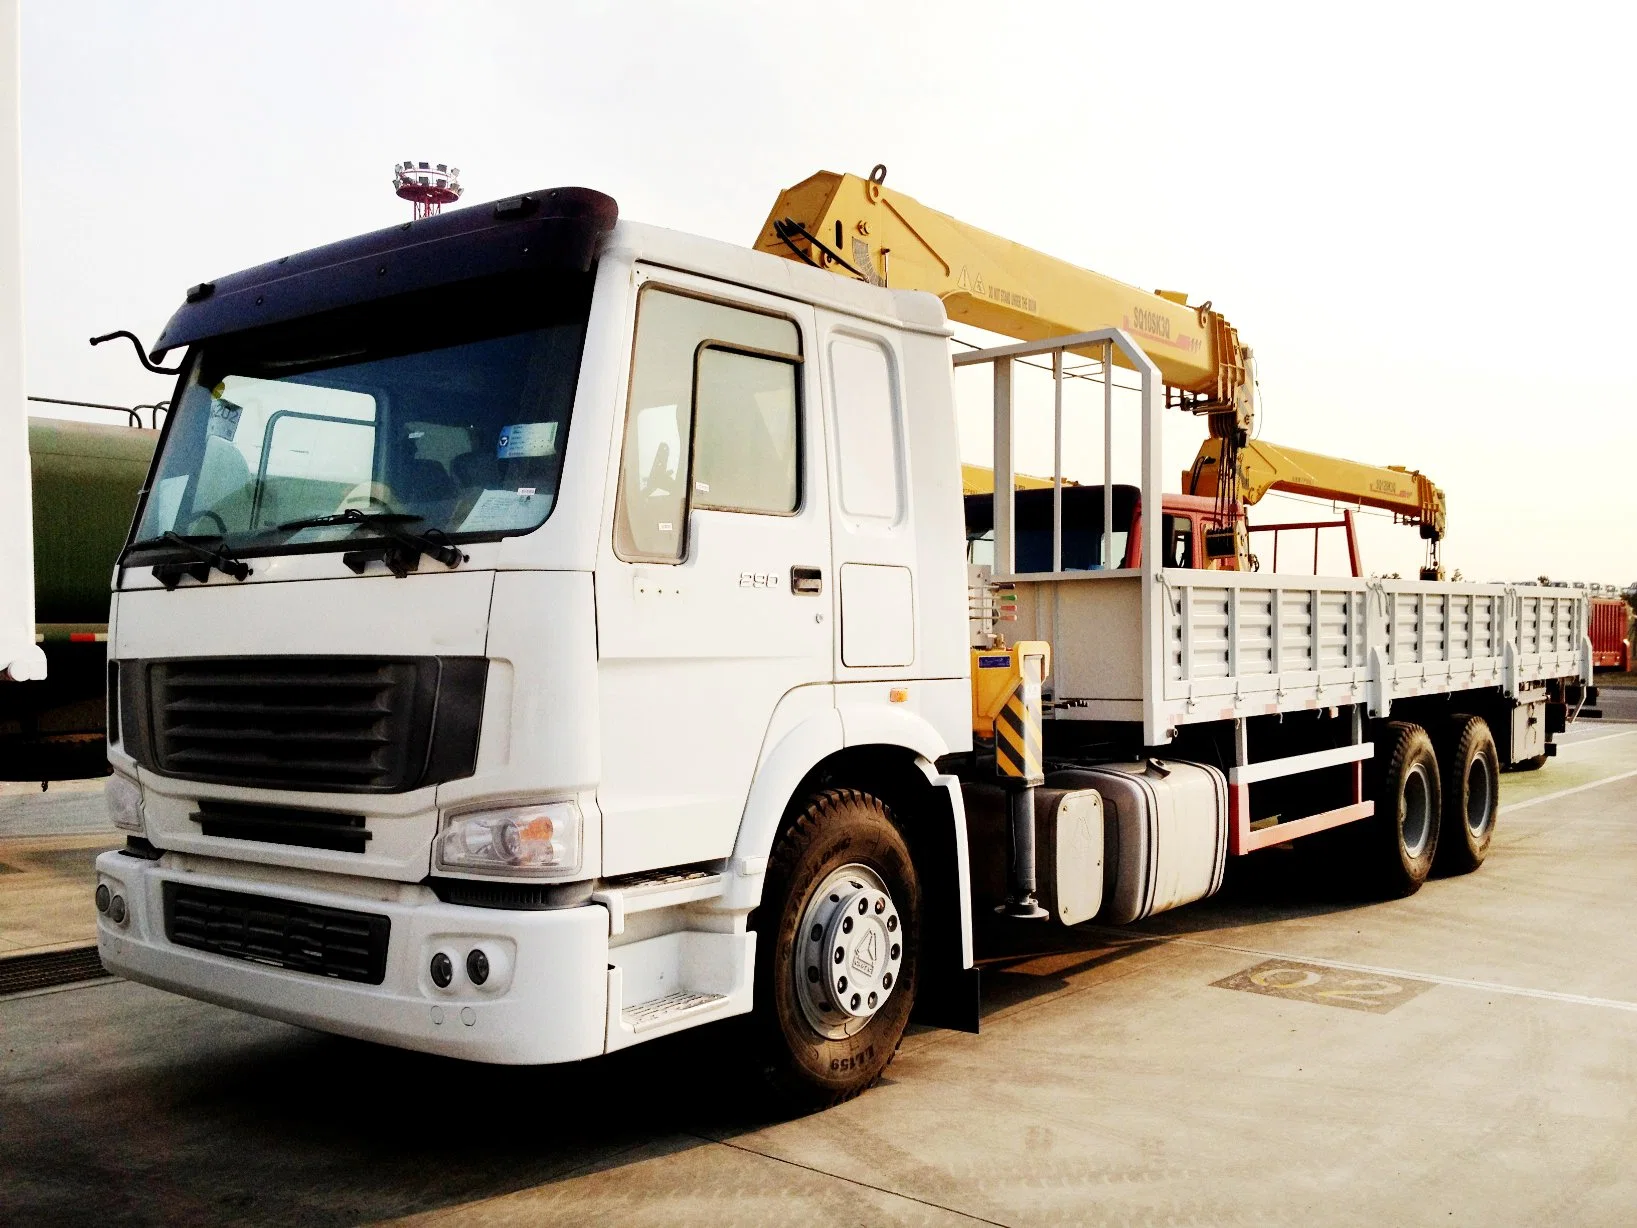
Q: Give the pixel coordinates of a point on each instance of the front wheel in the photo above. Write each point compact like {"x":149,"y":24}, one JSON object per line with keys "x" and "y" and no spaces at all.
{"x":837,"y":943}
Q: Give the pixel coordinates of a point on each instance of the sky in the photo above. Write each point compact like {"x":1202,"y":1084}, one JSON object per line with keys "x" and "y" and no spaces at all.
{"x":1419,"y":215}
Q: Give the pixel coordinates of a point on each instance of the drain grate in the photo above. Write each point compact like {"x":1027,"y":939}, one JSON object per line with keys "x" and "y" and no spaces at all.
{"x":21,"y":973}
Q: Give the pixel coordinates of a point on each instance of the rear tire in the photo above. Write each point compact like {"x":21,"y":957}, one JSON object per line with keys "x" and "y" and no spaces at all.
{"x":1403,"y":836}
{"x":837,"y":949}
{"x":1471,"y":767}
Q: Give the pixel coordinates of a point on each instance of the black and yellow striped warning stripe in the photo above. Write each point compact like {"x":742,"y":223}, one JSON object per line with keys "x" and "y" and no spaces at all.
{"x":1017,"y":741}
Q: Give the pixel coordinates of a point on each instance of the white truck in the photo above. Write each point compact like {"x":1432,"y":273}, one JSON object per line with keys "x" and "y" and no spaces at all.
{"x":541,"y":633}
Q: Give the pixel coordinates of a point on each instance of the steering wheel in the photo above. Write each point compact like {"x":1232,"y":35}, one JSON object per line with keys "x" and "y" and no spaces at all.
{"x":366,"y":497}
{"x":221,"y":525}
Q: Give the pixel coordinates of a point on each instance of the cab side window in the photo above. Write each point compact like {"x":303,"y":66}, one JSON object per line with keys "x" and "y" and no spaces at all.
{"x":1178,"y":541}
{"x":713,"y":420}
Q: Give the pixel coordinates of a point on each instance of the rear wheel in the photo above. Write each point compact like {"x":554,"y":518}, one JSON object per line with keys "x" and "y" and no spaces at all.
{"x":837,"y":937}
{"x":1471,"y":767}
{"x":1403,"y":837}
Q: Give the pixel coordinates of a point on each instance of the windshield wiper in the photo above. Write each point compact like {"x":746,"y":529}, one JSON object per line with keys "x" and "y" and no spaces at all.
{"x":403,"y":555}
{"x":170,"y":574}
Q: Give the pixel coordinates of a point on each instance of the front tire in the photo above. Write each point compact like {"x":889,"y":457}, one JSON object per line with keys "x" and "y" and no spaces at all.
{"x":837,"y":948}
{"x":1403,"y":837}
{"x":1471,"y":769}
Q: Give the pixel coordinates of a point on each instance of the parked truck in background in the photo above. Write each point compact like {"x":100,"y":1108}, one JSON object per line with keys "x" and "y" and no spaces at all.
{"x":85,"y":479}
{"x":543,"y":632}
{"x":1610,"y":630}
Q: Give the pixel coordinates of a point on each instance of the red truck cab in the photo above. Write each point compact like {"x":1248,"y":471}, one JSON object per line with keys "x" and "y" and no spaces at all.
{"x":1182,"y":534}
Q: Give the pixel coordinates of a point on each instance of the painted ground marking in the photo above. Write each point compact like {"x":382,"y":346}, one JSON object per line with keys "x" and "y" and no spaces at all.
{"x":1300,"y":981}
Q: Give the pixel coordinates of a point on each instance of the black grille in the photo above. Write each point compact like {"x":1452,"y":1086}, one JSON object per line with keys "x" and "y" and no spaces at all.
{"x":522,"y":897}
{"x":327,"y":724}
{"x":332,"y":942}
{"x":313,"y":829}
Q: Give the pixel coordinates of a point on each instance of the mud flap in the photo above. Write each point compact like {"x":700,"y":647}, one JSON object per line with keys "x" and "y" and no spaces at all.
{"x":950,"y":998}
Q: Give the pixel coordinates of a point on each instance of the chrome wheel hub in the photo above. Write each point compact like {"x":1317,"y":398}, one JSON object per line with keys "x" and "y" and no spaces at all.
{"x":1480,"y":797}
{"x":1417,"y":811}
{"x":848,"y":952}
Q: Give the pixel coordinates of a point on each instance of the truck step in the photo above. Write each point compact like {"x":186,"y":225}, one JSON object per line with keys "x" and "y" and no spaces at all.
{"x":646,"y":1015}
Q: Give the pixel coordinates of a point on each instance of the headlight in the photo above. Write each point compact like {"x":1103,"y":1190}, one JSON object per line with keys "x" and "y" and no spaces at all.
{"x":527,"y":840}
{"x":124,"y":804}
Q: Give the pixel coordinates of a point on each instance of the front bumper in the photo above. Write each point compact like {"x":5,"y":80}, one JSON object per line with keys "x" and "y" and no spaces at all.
{"x":550,"y":1005}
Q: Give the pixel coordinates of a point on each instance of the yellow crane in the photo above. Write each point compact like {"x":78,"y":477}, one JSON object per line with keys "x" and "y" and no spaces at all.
{"x":879,"y":235}
{"x":1263,"y":466}
{"x":861,"y":227}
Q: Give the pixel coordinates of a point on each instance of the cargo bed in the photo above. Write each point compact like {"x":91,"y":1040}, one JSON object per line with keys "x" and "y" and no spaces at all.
{"x":1170,"y":647}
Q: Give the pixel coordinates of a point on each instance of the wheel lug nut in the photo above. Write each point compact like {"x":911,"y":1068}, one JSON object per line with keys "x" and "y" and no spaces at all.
{"x":855,"y":1002}
{"x":886,"y":980}
{"x":881,"y":906}
{"x":840,"y":955}
{"x":895,"y":950}
{"x":863,"y":907}
{"x":846,"y":925}
{"x":872,"y":999}
{"x":841,"y":985}
{"x":892,"y":924}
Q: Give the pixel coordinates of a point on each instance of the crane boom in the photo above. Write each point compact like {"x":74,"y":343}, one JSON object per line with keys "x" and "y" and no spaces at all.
{"x":856,"y":226}
{"x":851,"y":225}
{"x":1263,"y":466}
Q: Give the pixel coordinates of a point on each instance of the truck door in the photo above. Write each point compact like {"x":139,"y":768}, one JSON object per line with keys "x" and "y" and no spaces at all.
{"x":713,"y":594}
{"x":873,"y":535}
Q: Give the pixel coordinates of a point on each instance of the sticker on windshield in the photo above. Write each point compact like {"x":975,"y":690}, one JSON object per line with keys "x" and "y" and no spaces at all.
{"x":527,"y":439}
{"x":224,"y":418}
{"x":496,"y":510}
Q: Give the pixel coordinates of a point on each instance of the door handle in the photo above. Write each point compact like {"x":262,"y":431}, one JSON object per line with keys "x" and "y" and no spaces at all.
{"x":806,"y":581}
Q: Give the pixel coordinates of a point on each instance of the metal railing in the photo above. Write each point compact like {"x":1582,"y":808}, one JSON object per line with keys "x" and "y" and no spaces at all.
{"x":1105,"y":344}
{"x":133,"y":413}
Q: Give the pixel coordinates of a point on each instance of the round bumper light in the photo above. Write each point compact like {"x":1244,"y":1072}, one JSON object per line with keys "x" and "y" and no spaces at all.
{"x":442,"y":970}
{"x":477,"y":967}
{"x":103,"y":896}
{"x":116,"y":910}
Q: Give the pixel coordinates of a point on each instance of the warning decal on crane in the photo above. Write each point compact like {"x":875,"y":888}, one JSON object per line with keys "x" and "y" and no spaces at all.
{"x":1017,"y":741}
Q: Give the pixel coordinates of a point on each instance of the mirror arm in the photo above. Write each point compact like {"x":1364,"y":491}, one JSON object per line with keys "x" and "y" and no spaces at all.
{"x":141,"y":354}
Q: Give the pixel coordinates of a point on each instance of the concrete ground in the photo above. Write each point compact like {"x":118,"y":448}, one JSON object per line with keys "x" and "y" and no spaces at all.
{"x":48,"y":850}
{"x":1277,"y":1055}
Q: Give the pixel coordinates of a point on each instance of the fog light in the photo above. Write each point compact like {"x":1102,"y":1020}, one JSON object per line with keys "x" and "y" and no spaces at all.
{"x":477,"y":967}
{"x":102,"y":897}
{"x":116,"y":910}
{"x":442,"y":970}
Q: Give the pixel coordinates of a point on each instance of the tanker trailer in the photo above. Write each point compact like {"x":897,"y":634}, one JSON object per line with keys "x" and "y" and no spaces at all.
{"x":86,"y":476}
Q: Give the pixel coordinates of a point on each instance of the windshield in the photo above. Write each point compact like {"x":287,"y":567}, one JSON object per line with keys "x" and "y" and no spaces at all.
{"x":447,"y":412}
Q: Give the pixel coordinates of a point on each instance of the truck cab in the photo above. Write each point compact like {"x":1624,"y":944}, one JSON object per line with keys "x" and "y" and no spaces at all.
{"x":502,"y":582}
{"x":1182,"y":531}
